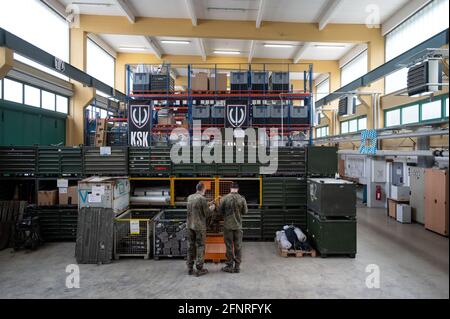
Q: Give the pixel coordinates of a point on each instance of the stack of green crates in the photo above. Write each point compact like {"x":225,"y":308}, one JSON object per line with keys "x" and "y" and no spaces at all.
{"x":332,"y":216}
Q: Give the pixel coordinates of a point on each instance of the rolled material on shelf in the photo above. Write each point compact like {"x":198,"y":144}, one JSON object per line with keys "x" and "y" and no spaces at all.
{"x":152,"y":192}
{"x":151,"y":200}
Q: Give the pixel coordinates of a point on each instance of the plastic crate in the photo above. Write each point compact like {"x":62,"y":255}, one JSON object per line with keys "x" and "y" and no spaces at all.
{"x":170,"y":234}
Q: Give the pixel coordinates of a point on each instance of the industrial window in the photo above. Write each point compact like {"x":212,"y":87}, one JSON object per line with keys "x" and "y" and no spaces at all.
{"x":62,"y":104}
{"x":410,"y":114}
{"x":446,"y":107}
{"x":354,"y":125}
{"x":100,"y":64}
{"x":322,"y":131}
{"x":32,"y":96}
{"x":344,"y":127}
{"x":426,"y":23}
{"x":40,"y":26}
{"x":48,"y":100}
{"x":354,"y":69}
{"x":432,"y":110}
{"x":362,"y":123}
{"x":393,"y":118}
{"x":322,"y":89}
{"x":13,"y":91}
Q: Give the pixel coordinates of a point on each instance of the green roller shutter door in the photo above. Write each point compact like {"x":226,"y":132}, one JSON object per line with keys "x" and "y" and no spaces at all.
{"x":25,"y":125}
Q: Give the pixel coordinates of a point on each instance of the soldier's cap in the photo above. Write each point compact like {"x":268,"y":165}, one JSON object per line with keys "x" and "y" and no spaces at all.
{"x":234,"y":185}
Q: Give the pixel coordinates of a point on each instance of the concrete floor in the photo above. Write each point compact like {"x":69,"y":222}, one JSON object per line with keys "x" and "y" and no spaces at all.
{"x":414,"y":263}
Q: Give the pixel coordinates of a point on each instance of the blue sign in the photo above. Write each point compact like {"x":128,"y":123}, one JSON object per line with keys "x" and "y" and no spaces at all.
{"x":368,"y":142}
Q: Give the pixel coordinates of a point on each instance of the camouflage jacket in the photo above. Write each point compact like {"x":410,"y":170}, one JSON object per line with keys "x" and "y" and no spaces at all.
{"x":197,"y":211}
{"x":232,"y":207}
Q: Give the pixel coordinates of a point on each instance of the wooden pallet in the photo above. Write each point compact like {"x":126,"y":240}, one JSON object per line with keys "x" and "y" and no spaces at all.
{"x":294,"y":253}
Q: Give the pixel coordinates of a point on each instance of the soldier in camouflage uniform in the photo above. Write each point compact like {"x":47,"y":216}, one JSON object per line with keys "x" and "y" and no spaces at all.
{"x":197,"y":212}
{"x":232,"y":207}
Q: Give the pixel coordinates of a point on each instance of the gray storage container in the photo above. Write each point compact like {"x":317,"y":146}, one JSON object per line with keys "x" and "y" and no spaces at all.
{"x":298,"y":112}
{"x":170,"y":234}
{"x":280,"y":78}
{"x":238,"y":78}
{"x":261,"y":77}
{"x":200,"y":111}
{"x":261,"y":111}
{"x":331,"y":197}
{"x":275,"y":111}
{"x":218,"y":112}
{"x":95,"y":236}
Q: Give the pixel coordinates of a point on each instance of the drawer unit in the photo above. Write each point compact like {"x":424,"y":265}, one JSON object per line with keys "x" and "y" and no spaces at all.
{"x":17,"y":161}
{"x":252,"y":224}
{"x":322,"y":160}
{"x":139,"y":161}
{"x":114,"y":164}
{"x":292,"y":161}
{"x":331,"y":197}
{"x":332,"y":236}
{"x":284,"y":191}
{"x":58,"y":161}
{"x":160,"y":162}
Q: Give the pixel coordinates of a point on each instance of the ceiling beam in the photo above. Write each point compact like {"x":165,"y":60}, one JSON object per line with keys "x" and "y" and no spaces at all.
{"x":57,"y":6}
{"x":298,"y":55}
{"x":191,"y":10}
{"x":201,"y":46}
{"x":328,"y":12}
{"x":227,"y":29}
{"x":155,"y":46}
{"x":101,"y":43}
{"x":259,"y":17}
{"x":251,"y":52}
{"x":126,"y":9}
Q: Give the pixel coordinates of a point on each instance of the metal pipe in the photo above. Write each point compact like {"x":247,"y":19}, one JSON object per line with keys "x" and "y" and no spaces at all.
{"x":437,"y":154}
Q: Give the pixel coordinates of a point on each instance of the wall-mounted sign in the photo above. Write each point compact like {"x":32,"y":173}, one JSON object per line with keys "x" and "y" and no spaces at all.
{"x":139,"y":116}
{"x":236,"y":115}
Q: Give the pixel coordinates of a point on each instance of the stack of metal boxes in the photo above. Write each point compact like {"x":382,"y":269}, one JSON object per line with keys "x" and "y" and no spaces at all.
{"x":170,"y":234}
{"x":278,"y":111}
{"x":162,"y":83}
{"x":141,"y":83}
{"x":332,"y":216}
{"x":298,"y":114}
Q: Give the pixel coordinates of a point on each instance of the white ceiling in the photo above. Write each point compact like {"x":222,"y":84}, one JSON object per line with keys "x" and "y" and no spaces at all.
{"x":335,"y":52}
{"x":350,"y":11}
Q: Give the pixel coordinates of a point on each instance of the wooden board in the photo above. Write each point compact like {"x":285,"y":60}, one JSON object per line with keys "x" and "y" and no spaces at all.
{"x":293,"y":252}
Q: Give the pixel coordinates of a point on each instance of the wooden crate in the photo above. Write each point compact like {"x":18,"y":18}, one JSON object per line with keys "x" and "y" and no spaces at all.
{"x":293,"y":252}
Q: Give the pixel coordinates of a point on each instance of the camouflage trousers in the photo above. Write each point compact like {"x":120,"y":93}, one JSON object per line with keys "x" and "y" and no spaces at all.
{"x":196,"y":248}
{"x":233,"y":243}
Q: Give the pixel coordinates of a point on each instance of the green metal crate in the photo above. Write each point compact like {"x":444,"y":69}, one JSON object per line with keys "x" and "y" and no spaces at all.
{"x":322,"y":160}
{"x":284,"y":191}
{"x":139,"y":161}
{"x":332,"y":236}
{"x":115,"y":164}
{"x":252,"y":224}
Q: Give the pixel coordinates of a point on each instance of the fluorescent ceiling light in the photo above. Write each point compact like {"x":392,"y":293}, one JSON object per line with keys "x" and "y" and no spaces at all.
{"x":226,"y":52}
{"x":335,"y":46}
{"x":273,"y":45}
{"x":94,"y":4}
{"x":132,"y":48}
{"x":175,"y":41}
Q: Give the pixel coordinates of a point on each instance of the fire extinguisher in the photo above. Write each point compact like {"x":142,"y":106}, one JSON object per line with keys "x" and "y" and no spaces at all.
{"x":378,"y":193}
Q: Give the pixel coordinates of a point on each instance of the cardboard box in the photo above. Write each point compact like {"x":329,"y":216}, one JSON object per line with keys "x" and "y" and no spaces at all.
{"x":220,"y":80}
{"x":392,"y":208}
{"x":400,"y":193}
{"x":166,"y":120}
{"x":68,"y":196}
{"x":48,"y":198}
{"x":404,"y":213}
{"x":199,"y":82}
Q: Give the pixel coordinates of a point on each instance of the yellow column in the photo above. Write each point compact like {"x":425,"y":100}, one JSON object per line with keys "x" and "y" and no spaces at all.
{"x":6,"y":61}
{"x":83,"y":96}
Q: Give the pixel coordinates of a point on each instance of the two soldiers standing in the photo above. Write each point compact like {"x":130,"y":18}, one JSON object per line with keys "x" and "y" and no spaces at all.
{"x":232,"y":207}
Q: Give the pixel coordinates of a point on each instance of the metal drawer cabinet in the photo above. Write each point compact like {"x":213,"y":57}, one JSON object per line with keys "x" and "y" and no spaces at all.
{"x":252,"y":225}
{"x":332,"y":236}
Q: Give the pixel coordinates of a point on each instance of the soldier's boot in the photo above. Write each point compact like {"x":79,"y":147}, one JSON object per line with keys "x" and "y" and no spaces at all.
{"x":228,"y":268}
{"x":201,"y":272}
{"x":191,"y":271}
{"x":237,"y":268}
